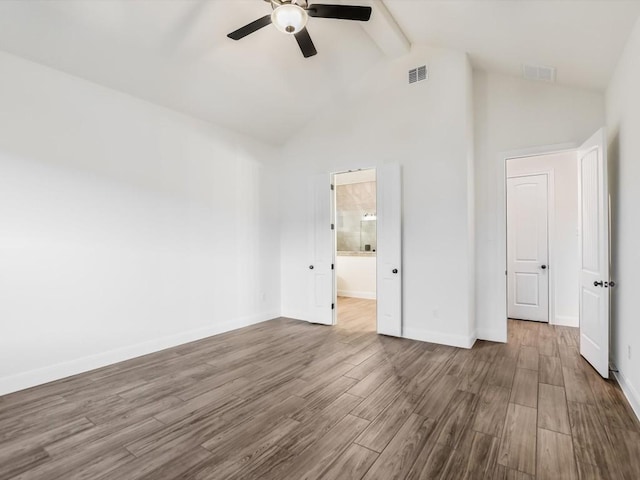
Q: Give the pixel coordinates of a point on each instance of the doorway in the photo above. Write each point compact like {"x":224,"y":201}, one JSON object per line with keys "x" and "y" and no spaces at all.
{"x":593,"y":256}
{"x":542,"y":238}
{"x":356,"y":244}
{"x":322,"y":298}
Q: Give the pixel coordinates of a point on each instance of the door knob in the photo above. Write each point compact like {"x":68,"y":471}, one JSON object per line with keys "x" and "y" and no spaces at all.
{"x":310,"y":267}
{"x":395,"y":270}
{"x":598,"y":284}
{"x":544,"y":267}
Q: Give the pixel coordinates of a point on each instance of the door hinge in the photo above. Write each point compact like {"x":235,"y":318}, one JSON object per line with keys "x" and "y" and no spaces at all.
{"x":332,"y":268}
{"x":332,"y":226}
{"x":332,"y":187}
{"x":333,"y":306}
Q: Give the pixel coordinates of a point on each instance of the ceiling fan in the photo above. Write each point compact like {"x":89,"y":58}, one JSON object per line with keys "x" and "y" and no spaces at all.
{"x":290,"y":17}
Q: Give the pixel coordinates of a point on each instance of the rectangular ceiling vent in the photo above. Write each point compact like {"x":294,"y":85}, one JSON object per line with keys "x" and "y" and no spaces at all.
{"x":540,"y":73}
{"x":418,"y":74}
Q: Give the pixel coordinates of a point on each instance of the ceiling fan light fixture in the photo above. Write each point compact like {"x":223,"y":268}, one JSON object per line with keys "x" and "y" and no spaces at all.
{"x":289,"y":18}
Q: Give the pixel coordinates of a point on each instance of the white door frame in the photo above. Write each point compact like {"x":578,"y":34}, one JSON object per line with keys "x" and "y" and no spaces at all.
{"x":551,"y":294}
{"x":502,"y":214}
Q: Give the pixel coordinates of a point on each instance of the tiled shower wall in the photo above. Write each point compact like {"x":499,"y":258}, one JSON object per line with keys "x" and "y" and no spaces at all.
{"x":353,"y":201}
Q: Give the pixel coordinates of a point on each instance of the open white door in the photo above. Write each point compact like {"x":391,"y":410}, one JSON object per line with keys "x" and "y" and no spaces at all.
{"x":321,"y":295}
{"x":389,"y":253}
{"x":594,"y":252}
{"x":528,"y":247}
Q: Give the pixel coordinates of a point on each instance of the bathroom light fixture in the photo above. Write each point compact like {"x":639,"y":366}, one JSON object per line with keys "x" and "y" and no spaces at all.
{"x":289,"y":18}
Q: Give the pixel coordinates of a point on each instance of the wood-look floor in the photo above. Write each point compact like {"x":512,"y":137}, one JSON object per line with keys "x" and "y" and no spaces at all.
{"x":289,"y":400}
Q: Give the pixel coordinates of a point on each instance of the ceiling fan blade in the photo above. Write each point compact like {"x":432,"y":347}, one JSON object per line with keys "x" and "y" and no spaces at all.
{"x":341,"y":12}
{"x":250,"y":28}
{"x":305,"y":43}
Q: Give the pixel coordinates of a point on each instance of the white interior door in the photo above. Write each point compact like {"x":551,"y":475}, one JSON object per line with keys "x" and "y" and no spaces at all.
{"x":594,"y":252}
{"x":528,"y":248}
{"x":389,"y":253}
{"x":321,"y":295}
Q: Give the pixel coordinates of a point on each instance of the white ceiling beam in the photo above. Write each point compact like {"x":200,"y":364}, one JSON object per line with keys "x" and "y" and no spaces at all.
{"x":384,"y":30}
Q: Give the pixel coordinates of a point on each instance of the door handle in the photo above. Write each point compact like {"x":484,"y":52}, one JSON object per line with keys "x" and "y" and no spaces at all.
{"x":395,"y":270}
{"x":598,"y":284}
{"x":544,"y":267}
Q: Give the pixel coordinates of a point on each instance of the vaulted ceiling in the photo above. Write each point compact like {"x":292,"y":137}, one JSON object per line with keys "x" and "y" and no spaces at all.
{"x":583,"y":39}
{"x":175,"y":52}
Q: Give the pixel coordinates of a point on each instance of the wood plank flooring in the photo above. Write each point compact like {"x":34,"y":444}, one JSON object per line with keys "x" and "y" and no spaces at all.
{"x":289,"y":400}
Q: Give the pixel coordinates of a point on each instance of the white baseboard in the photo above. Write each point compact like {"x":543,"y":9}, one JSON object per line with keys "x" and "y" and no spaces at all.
{"x":58,"y":371}
{"x":356,"y":294}
{"x":566,"y":321}
{"x":630,"y":392}
{"x":492,"y":335}
{"x":460,"y":341}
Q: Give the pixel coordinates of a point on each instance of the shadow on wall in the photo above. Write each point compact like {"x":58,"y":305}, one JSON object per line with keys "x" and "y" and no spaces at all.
{"x":613,"y":152}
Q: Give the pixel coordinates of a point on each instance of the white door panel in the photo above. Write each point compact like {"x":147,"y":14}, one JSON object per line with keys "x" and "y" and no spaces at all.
{"x":527,"y":289}
{"x":594,"y":252}
{"x":321,"y":248}
{"x":527,"y":248}
{"x":389,"y":253}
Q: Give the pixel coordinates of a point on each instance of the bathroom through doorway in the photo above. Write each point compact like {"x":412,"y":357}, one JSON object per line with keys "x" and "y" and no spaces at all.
{"x":356,"y":249}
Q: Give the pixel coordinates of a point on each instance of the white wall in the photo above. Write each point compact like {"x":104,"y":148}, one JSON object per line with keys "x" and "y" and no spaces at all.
{"x":513,"y":114}
{"x":562,"y":169}
{"x":425,"y":128}
{"x":125,"y":227}
{"x":623,"y":123}
{"x":356,"y":276}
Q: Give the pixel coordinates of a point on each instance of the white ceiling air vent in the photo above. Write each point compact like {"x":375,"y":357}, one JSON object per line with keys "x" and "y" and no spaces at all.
{"x":540,"y":73}
{"x":418,"y":74}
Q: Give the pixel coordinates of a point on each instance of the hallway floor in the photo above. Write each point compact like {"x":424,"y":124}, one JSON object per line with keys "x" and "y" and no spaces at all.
{"x":288,"y":400}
